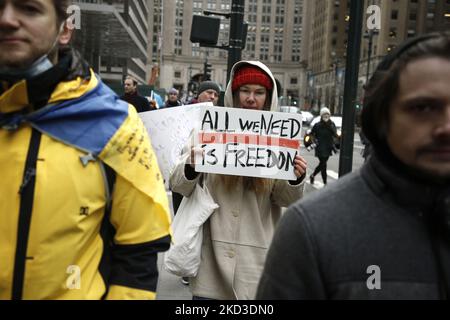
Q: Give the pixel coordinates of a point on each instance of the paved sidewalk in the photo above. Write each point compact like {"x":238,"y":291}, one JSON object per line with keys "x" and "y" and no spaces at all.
{"x":169,"y":285}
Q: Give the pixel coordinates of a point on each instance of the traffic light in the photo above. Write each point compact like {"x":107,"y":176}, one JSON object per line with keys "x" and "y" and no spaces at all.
{"x":205,"y":30}
{"x":207,"y":71}
{"x":193,"y":86}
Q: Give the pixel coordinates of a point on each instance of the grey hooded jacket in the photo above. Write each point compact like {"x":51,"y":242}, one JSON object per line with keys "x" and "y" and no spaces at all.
{"x":374,"y":235}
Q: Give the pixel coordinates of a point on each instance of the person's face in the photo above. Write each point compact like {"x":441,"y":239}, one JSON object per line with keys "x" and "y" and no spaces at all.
{"x":252,"y":96}
{"x":28,"y":30}
{"x":173,"y":96}
{"x":209,"y":95}
{"x":129,"y":86}
{"x":326,"y":117}
{"x":419,"y":118}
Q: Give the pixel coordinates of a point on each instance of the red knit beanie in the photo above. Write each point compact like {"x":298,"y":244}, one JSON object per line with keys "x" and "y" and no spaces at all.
{"x":249,"y":74}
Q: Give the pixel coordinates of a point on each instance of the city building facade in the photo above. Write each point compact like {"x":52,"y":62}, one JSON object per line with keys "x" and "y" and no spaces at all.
{"x":303,"y":42}
{"x":398,"y":21}
{"x":113,"y":37}
{"x":275,"y":36}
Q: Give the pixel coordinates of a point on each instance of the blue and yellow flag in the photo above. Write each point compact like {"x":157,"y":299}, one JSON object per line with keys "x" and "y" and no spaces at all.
{"x":90,"y":117}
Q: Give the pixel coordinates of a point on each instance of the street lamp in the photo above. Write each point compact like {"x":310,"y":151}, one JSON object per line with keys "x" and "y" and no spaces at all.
{"x":369,"y":35}
{"x":336,"y":93}
{"x":309,"y":89}
{"x":350,"y":86}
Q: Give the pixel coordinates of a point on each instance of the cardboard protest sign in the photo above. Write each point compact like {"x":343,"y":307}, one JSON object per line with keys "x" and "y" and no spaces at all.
{"x":248,"y":142}
{"x":169,"y":130}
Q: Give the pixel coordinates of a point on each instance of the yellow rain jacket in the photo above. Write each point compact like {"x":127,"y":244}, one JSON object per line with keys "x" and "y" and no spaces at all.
{"x":64,"y":233}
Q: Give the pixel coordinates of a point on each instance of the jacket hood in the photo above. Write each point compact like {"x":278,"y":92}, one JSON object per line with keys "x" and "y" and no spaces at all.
{"x":229,"y":93}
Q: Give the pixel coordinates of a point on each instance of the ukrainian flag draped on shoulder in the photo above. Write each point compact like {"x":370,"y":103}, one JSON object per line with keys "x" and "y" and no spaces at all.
{"x":86,"y":114}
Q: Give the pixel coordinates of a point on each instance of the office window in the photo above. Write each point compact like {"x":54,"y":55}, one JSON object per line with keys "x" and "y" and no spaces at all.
{"x":394,"y":14}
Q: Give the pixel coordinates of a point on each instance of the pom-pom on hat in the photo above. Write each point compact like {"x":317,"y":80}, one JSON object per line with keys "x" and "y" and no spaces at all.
{"x":249,"y":74}
{"x":325,"y":111}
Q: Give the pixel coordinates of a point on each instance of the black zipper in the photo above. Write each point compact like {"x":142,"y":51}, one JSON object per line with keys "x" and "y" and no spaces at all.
{"x":26,"y":192}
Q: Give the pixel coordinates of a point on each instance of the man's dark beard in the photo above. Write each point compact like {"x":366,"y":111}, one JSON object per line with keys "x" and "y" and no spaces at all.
{"x":432,"y":175}
{"x":439,"y":144}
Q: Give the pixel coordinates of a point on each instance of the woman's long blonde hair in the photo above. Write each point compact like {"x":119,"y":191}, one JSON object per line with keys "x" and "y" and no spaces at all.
{"x":258,"y":185}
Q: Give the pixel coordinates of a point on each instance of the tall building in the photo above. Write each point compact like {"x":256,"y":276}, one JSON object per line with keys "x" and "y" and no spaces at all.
{"x":327,"y":52}
{"x":329,"y":34}
{"x":404,"y":19}
{"x":275,"y":37}
{"x":113,"y":38}
{"x":400,"y":19}
{"x":155,"y":35}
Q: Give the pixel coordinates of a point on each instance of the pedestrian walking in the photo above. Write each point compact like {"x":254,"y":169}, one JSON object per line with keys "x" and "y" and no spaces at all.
{"x":238,"y":233}
{"x":381,"y":232}
{"x":323,"y":135}
{"x":83,"y":208}
{"x":134,"y":98}
{"x":208,"y":91}
{"x":173,"y":100}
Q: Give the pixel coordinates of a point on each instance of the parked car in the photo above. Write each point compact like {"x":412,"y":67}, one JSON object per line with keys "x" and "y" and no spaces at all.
{"x":307,"y":140}
{"x":307,"y":116}
{"x":289,"y":109}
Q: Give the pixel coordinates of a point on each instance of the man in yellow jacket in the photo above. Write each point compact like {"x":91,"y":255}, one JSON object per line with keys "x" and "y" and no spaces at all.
{"x":83,"y":208}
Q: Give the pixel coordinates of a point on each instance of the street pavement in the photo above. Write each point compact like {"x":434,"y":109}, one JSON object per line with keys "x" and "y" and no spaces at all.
{"x":170,"y":286}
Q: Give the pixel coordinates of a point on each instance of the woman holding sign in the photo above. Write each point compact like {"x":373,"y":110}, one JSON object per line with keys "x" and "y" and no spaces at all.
{"x":238,"y":233}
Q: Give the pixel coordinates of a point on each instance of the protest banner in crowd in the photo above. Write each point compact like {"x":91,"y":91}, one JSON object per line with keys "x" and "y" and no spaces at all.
{"x":169,"y":130}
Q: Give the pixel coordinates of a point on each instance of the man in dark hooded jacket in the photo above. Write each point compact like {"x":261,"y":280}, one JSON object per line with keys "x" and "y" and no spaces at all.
{"x":382,"y":232}
{"x":324,"y":132}
{"x":134,"y":98}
